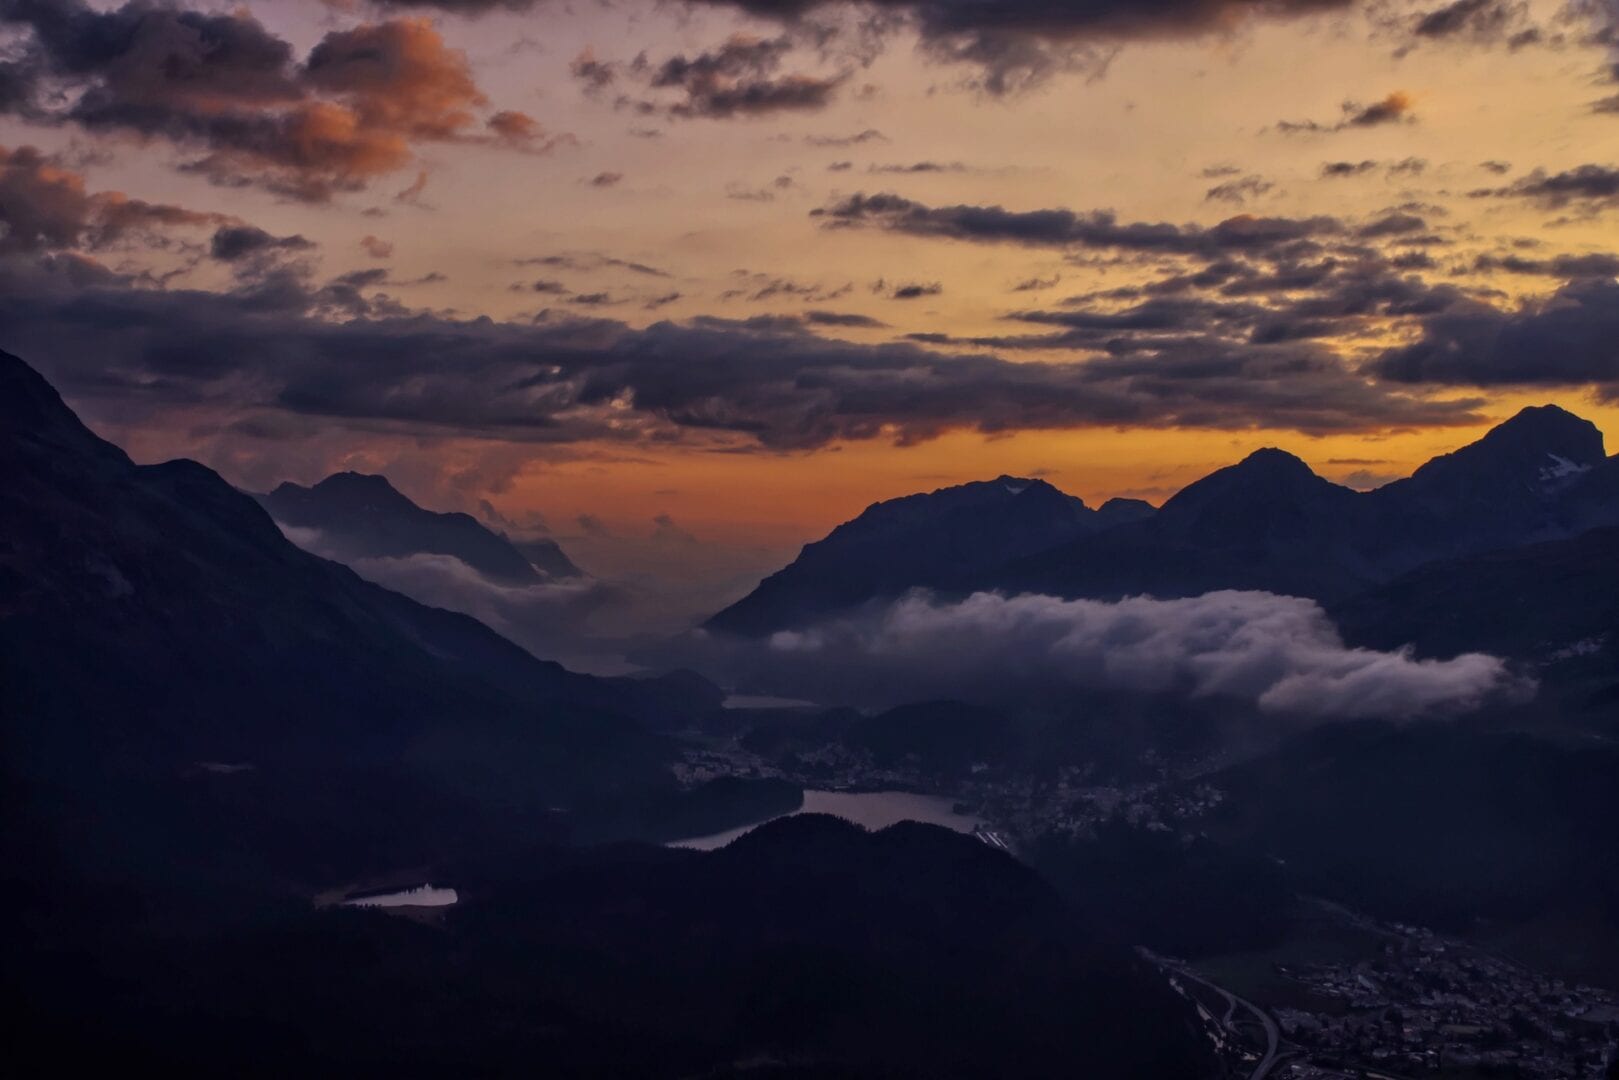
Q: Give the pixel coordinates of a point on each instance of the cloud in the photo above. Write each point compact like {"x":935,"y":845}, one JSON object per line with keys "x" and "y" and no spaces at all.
{"x":1017,"y":44}
{"x":590,"y":261}
{"x":1588,"y":187}
{"x":233,"y":243}
{"x":770,"y":383}
{"x":1483,"y":23}
{"x":376,"y":247}
{"x":1564,"y":267}
{"x":740,"y":77}
{"x":547,"y":619}
{"x":1239,"y":191}
{"x":1393,"y":109}
{"x":1067,"y":228}
{"x":757,"y":287}
{"x":1568,"y":339}
{"x":606,"y":179}
{"x":858,"y":138}
{"x":45,"y":206}
{"x":1411,"y":166}
{"x":411,"y":194}
{"x":231,"y":94}
{"x":1279,"y":654}
{"x":1332,"y":169}
{"x":917,"y":167}
{"x":845,"y":319}
{"x":746,"y":193}
{"x":915,"y":290}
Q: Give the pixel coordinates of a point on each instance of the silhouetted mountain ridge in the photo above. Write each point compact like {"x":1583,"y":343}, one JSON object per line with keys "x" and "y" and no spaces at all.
{"x":1267,"y":523}
{"x":360,"y":516}
{"x":928,"y":540}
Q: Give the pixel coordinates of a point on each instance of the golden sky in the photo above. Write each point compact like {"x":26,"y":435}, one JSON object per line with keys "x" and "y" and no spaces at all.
{"x":618,"y":188}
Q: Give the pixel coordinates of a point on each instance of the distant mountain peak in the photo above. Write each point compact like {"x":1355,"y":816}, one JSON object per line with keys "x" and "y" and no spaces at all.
{"x":361,"y":516}
{"x":362,"y":487}
{"x":1274,"y":459}
{"x":360,"y":480}
{"x":1265,"y":472}
{"x":1552,"y":429}
{"x":1541,"y":449}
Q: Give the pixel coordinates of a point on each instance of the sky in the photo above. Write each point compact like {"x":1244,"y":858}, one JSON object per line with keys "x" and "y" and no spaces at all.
{"x":687,"y":284}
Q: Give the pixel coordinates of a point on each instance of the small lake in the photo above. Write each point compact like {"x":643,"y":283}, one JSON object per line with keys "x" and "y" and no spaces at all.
{"x":873,"y":809}
{"x":420,"y":896}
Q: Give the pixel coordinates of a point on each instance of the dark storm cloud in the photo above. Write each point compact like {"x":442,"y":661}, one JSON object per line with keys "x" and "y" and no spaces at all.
{"x":1068,"y":228}
{"x":226,"y":90}
{"x":1588,"y":186}
{"x":1568,"y":339}
{"x":771,"y":383}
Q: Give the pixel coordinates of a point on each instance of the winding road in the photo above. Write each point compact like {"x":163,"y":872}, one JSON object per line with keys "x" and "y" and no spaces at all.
{"x":1273,"y":1034}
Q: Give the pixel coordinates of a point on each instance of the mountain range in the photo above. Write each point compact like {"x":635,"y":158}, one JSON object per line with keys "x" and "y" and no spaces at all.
{"x":359,"y":516}
{"x":1266,"y":523}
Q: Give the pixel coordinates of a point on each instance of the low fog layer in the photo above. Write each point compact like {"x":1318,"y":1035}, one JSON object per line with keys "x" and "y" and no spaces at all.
{"x":1281,"y":653}
{"x":553,"y":620}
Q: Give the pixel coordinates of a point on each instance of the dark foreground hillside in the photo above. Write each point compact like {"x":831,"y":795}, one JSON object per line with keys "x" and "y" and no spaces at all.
{"x":810,"y":947}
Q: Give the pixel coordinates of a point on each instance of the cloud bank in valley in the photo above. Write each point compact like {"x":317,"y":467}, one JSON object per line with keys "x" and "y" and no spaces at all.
{"x":1279,"y":653}
{"x":547,"y":618}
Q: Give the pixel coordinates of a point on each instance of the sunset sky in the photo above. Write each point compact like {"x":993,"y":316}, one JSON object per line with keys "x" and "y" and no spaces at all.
{"x":686,"y":284}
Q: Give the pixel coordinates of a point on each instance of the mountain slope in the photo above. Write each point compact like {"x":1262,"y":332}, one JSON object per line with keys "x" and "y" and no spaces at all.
{"x":929,"y":540}
{"x":365,"y":517}
{"x":808,"y":948}
{"x":178,"y":676}
{"x":1553,"y":607}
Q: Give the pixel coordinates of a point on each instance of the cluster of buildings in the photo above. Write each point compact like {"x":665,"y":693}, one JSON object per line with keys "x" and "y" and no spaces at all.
{"x":1429,"y":1004}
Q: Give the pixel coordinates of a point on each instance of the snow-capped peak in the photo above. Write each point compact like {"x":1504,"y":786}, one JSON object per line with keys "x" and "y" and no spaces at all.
{"x":1561,"y":471}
